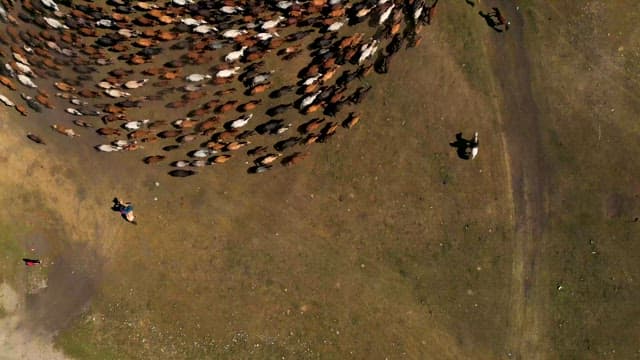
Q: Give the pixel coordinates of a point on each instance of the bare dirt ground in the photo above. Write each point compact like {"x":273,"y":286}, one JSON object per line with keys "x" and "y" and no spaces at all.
{"x":520,"y":117}
{"x":382,"y":244}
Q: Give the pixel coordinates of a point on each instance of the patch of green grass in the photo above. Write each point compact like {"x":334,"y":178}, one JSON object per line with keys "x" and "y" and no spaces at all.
{"x":562,"y":153}
{"x":11,"y":249}
{"x":79,"y":342}
{"x":465,"y":30}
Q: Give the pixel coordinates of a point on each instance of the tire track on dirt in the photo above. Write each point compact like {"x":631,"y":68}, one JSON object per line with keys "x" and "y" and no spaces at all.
{"x":519,"y":116}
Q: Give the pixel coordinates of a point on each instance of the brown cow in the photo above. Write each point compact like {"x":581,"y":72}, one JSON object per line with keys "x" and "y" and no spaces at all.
{"x":44,"y":101}
{"x":185,"y":123}
{"x":8,"y":83}
{"x":228,"y":106}
{"x":313,"y":108}
{"x":312,"y":125}
{"x":139,"y":134}
{"x":170,"y":133}
{"x":351,"y":121}
{"x":62,"y":86}
{"x":260,"y":88}
{"x":220,"y":159}
{"x":259,"y":150}
{"x":226,"y":135}
{"x":235,"y":145}
{"x":249,"y":105}
{"x":214,"y":145}
{"x":109,"y":131}
{"x":208,"y":124}
{"x":153,"y":159}
{"x":113,"y":109}
{"x":64,"y":130}
{"x":311,"y":139}
{"x":21,"y":109}
{"x":294,"y":159}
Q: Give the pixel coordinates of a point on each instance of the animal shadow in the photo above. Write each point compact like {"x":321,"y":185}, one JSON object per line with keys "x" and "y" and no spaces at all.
{"x":462,"y":146}
{"x":490,"y":21}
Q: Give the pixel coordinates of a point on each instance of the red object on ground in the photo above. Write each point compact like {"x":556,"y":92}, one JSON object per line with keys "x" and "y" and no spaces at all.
{"x":30,"y":262}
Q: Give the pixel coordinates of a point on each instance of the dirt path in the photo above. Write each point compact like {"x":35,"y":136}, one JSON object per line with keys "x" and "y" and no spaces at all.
{"x":521,"y":135}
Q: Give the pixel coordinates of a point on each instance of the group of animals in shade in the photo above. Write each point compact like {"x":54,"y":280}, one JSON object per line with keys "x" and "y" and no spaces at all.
{"x":98,"y":57}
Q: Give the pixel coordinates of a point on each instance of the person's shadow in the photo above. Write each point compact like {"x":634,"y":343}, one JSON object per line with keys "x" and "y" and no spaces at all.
{"x":490,"y":21}
{"x":462,"y":146}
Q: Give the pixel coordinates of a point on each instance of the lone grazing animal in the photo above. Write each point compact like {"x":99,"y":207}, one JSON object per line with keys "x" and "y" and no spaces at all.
{"x":64,"y":131}
{"x":220,"y":159}
{"x":351,"y":121}
{"x":153,"y":159}
{"x":294,"y":158}
{"x":36,"y":139}
{"x":107,"y":148}
{"x":6,"y":101}
{"x":267,"y":159}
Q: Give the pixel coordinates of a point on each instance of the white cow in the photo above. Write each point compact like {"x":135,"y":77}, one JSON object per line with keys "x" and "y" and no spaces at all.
{"x":115,"y":93}
{"x":6,"y":101}
{"x":20,"y":58}
{"x":50,"y":4}
{"x":192,"y":21}
{"x":55,"y":23}
{"x":309,"y":99}
{"x":231,"y":9}
{"x":26,"y":81}
{"x":134,"y":84}
{"x":106,"y":85}
{"x":241,"y":121}
{"x":385,"y":14}
{"x":232,"y":33}
{"x":228,"y":72}
{"x":135,"y":125}
{"x":272,"y":23}
{"x":108,"y":148}
{"x":235,"y":55}
{"x":312,"y":79}
{"x":367,"y":50}
{"x":73,"y":111}
{"x":203,"y":153}
{"x":204,"y":29}
{"x":24,"y":69}
{"x":335,"y":26}
{"x":197,"y":77}
{"x":474,"y":146}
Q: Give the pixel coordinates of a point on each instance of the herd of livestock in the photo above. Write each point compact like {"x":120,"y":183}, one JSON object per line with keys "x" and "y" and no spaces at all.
{"x":229,"y":72}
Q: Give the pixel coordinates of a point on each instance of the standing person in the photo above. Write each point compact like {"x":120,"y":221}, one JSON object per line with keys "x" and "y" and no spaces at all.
{"x":125,"y":209}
